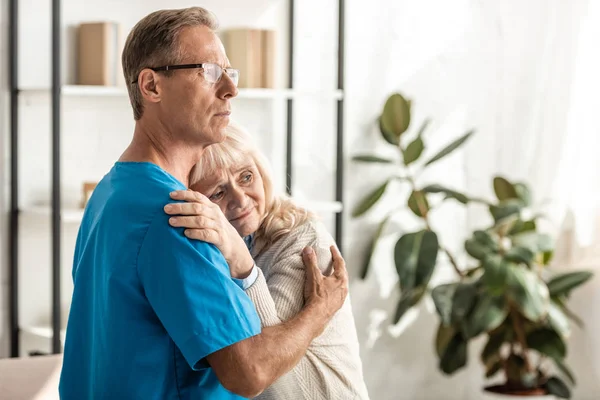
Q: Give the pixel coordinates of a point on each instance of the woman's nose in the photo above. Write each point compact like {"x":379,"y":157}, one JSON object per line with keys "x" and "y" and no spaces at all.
{"x":238,"y":198}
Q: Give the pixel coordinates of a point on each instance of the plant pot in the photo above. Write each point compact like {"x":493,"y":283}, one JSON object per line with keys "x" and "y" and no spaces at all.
{"x":492,"y":395}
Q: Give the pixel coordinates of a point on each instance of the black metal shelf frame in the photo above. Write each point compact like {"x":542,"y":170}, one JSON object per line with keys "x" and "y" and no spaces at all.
{"x":13,"y":29}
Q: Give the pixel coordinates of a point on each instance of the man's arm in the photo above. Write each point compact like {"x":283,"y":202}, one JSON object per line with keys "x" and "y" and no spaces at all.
{"x":250,"y":366}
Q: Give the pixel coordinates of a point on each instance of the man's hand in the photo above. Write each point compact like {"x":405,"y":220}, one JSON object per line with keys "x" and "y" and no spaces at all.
{"x":205,"y":221}
{"x":325,"y":293}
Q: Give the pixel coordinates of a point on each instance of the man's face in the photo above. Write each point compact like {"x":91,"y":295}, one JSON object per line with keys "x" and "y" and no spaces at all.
{"x":193,"y":108}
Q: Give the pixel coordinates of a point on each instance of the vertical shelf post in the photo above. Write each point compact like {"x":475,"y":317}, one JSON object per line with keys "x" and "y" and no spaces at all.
{"x":339,"y":159}
{"x":13,"y":233}
{"x":56,"y":225}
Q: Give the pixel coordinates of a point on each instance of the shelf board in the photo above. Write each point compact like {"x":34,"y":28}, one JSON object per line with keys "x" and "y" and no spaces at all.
{"x":321,"y":206}
{"x":69,"y":215}
{"x":75,"y":215}
{"x":43,"y":331}
{"x":244,"y":93}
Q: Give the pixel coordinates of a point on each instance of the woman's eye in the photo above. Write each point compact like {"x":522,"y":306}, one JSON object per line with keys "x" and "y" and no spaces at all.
{"x":216,"y":196}
{"x":247,"y":178}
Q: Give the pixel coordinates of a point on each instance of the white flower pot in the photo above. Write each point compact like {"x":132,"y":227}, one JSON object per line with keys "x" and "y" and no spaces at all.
{"x":495,"y":396}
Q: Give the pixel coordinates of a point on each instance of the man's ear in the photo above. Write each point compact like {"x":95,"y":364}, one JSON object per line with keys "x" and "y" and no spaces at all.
{"x":149,"y":82}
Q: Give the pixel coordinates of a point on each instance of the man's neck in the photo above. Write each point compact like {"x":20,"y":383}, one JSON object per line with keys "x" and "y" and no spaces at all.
{"x":159,"y":147}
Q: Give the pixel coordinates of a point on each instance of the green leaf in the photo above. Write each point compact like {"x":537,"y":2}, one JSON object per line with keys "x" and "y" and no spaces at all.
{"x":523,"y":193}
{"x":558,"y":388}
{"x":413,"y":151}
{"x":450,"y":194}
{"x":415,"y":255}
{"x":520,"y":255}
{"x":395,"y":118}
{"x":486,"y":239}
{"x":565,"y":371}
{"x":408,"y":299}
{"x":563,"y":284}
{"x":504,"y":189}
{"x":528,"y":292}
{"x":442,"y":296}
{"x":493,"y":346}
{"x":505,"y":209}
{"x":423,"y":127}
{"x":547,"y":342}
{"x":372,"y":159}
{"x":495,"y":274}
{"x":558,"y":320}
{"x":370,"y":200}
{"x":418,"y":204}
{"x":450,"y":148}
{"x":570,"y":314}
{"x":487,"y":314}
{"x":547,"y":257}
{"x":536,"y":242}
{"x":476,"y":249}
{"x":463,"y":301}
{"x":388,"y":136}
{"x":522,"y":226}
{"x":371,"y":248}
{"x":445,"y":333}
{"x":455,"y":356}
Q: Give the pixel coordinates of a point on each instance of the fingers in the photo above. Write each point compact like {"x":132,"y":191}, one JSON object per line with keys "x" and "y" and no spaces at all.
{"x":193,"y":222}
{"x":310,"y":263}
{"x":204,"y":235}
{"x":339,"y":265}
{"x":190,"y":196}
{"x":188,"y":209}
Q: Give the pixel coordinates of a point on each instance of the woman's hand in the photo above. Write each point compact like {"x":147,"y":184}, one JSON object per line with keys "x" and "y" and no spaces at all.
{"x":205,"y":221}
{"x":328,"y":293}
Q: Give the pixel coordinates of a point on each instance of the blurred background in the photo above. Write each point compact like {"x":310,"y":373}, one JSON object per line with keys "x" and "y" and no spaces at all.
{"x":315,"y":93}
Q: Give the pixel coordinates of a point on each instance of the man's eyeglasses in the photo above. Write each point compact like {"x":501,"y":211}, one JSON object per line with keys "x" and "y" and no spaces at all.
{"x":212,"y":72}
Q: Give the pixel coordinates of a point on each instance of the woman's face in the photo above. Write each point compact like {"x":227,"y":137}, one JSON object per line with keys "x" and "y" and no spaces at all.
{"x":240,"y":194}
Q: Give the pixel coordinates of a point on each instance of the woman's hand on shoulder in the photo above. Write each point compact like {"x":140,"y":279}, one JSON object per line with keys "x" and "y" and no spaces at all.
{"x":203,"y":220}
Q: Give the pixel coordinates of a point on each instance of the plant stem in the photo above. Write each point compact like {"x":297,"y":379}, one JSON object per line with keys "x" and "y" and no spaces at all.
{"x":520,"y":337}
{"x":425,"y":216}
{"x":452,"y":261}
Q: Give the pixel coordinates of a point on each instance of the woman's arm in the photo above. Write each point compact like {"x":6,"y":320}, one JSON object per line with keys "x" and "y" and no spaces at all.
{"x":331,"y":367}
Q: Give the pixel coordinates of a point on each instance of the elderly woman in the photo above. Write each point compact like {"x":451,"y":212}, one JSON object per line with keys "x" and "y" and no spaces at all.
{"x":232,"y":188}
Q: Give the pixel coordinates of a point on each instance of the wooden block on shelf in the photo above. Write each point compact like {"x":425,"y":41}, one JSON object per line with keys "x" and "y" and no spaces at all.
{"x":243,"y":48}
{"x":99,"y":54}
{"x":268,"y":59}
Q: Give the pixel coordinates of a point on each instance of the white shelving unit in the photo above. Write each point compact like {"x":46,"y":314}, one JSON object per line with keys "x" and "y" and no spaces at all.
{"x":244,"y":93}
{"x":75,"y":215}
{"x":270,"y":107}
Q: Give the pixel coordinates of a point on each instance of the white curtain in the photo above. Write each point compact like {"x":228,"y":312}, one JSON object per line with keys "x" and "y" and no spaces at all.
{"x":525,"y":76}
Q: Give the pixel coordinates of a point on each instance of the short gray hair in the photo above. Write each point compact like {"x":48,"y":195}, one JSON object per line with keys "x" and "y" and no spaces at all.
{"x":153,"y":42}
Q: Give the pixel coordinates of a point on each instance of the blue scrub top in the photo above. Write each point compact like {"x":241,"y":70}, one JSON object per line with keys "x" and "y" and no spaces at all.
{"x":148,"y":304}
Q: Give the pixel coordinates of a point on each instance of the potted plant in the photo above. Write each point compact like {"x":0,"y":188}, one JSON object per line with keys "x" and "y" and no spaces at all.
{"x":505,"y":291}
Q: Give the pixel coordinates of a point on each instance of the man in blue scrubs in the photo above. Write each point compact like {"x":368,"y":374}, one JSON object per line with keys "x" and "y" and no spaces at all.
{"x":155,"y":315}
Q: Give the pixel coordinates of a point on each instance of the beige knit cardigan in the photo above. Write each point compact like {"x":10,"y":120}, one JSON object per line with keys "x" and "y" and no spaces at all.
{"x":331,"y":368}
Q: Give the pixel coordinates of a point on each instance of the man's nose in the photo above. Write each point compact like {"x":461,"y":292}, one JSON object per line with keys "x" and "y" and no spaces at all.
{"x":227,"y":89}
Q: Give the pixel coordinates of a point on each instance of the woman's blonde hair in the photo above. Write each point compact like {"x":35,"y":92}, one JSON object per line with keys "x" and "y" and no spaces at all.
{"x":282,"y":215}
